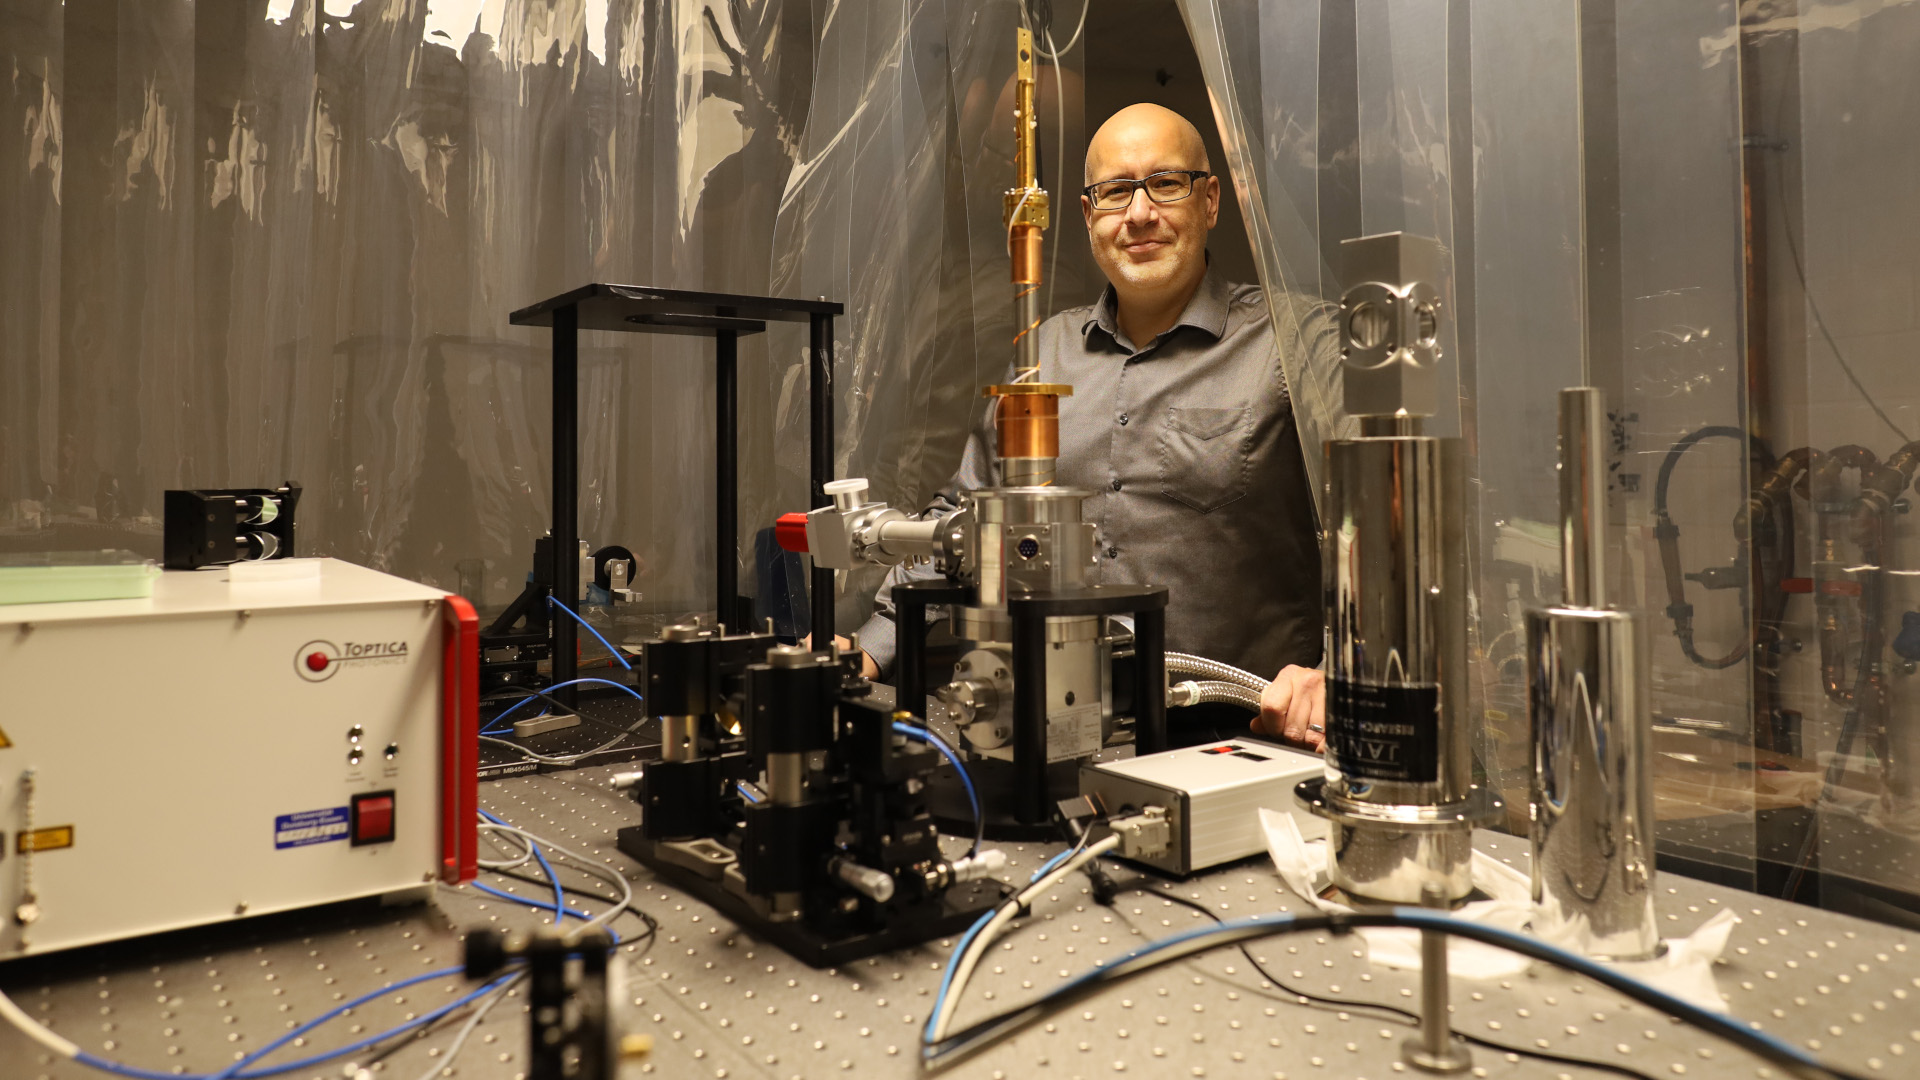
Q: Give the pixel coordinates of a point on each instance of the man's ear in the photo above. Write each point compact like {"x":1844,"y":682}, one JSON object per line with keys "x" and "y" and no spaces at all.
{"x":1086,"y":213}
{"x":1213,"y":201}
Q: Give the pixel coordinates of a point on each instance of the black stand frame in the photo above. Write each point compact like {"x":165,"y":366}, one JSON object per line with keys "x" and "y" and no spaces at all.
{"x":1146,"y":603}
{"x":724,"y":316}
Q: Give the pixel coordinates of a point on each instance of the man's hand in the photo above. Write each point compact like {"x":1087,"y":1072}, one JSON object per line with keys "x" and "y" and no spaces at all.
{"x":868,"y":669}
{"x":1294,"y":707}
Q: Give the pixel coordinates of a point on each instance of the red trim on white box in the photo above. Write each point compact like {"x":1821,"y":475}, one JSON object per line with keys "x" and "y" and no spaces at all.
{"x":460,"y":743}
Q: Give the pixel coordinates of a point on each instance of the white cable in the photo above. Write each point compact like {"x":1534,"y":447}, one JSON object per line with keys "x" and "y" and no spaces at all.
{"x":1054,"y":54}
{"x":460,"y":1040}
{"x":526,"y":856}
{"x":598,"y":869}
{"x":964,"y":965}
{"x":34,"y":1030}
{"x":570,"y":759}
{"x":1060,"y":140}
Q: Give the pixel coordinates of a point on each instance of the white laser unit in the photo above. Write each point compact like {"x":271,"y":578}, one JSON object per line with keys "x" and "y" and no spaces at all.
{"x":1212,"y":795}
{"x":246,"y":740}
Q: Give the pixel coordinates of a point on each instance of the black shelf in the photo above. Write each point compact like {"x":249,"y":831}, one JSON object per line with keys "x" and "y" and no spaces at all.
{"x":643,"y":309}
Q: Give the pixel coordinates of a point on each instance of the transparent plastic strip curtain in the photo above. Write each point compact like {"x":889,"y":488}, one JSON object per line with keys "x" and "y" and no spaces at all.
{"x":253,"y":242}
{"x":1836,"y":92}
{"x":1592,"y":232}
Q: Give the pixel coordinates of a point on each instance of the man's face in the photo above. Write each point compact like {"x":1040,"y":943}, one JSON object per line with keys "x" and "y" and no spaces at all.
{"x":1149,"y":247}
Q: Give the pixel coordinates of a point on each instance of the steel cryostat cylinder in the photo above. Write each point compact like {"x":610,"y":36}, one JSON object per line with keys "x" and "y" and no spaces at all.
{"x":1399,"y":787}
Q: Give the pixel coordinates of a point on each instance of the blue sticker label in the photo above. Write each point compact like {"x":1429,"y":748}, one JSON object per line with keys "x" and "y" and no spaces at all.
{"x":310,"y":827}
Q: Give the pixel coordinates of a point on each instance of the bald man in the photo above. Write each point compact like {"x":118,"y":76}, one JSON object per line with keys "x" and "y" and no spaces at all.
{"x":1180,"y":422}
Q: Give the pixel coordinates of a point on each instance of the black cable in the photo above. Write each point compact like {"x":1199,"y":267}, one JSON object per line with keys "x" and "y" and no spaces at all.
{"x":1793,"y":249}
{"x":1668,"y":534}
{"x":1397,"y":1013}
{"x":961,"y":1045}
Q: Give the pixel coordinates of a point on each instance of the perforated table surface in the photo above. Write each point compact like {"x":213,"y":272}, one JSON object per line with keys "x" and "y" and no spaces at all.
{"x":720,"y":1004}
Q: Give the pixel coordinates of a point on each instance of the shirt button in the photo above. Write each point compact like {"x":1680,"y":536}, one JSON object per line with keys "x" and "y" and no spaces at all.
{"x":1113,"y":553}
{"x":1123,"y":419}
{"x":1116,"y":485}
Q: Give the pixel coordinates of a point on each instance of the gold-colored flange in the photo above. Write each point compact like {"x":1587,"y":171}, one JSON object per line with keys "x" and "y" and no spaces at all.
{"x":1019,"y":388}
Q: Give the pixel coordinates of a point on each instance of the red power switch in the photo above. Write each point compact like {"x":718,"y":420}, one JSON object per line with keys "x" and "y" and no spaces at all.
{"x":791,"y":532}
{"x":373,"y":818}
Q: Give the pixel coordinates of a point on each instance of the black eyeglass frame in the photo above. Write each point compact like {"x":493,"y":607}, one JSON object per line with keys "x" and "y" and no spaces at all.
{"x":1194,"y":176}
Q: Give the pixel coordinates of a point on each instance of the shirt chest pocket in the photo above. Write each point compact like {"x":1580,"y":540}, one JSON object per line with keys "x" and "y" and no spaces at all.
{"x":1203,"y":456}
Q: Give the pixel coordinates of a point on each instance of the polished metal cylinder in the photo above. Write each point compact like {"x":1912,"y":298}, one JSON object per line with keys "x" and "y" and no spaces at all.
{"x":1592,"y":813}
{"x":1583,"y":495}
{"x":679,"y":738}
{"x":786,"y":781}
{"x":1399,"y":787}
{"x":1026,"y":304}
{"x":1029,"y":539}
{"x":1436,"y":1049}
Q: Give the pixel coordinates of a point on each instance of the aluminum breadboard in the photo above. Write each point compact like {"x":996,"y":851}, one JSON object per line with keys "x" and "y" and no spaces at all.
{"x":720,"y":1004}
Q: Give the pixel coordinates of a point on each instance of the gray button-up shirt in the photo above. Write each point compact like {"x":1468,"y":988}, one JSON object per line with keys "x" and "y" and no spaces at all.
{"x":1189,"y":446}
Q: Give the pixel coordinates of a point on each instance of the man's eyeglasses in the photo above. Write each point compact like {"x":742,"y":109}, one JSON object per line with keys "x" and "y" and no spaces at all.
{"x":1162,"y":187}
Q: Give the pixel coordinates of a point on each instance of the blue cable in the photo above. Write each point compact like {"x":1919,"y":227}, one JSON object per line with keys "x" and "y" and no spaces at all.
{"x":559,"y":897}
{"x":966,"y":780}
{"x":591,"y":630}
{"x":234,"y":1069}
{"x":491,"y":730}
{"x":1425,"y":919}
{"x":371,"y":1040}
{"x":233,"y":1072}
{"x":960,"y":949}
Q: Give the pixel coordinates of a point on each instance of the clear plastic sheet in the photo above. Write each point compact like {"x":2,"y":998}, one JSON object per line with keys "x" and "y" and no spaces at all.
{"x":1707,"y":211}
{"x":1844,"y":271}
{"x":245,"y":247}
{"x":1463,"y":122}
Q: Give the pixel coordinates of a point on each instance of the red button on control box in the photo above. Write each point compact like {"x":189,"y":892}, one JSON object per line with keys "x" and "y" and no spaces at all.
{"x":373,"y":818}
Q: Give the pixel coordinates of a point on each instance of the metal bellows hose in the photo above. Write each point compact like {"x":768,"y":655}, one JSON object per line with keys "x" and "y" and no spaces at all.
{"x":1179,"y":663}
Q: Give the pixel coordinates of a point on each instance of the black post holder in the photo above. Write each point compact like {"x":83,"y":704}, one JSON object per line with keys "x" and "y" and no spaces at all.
{"x":1027,"y":782}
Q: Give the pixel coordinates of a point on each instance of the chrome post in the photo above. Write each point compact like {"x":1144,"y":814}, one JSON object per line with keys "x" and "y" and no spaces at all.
{"x":1436,"y":1049}
{"x":1591,"y":820}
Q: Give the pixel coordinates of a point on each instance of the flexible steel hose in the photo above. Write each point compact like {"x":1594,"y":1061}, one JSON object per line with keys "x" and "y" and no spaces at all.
{"x":1179,"y":663}
{"x":1196,"y":693}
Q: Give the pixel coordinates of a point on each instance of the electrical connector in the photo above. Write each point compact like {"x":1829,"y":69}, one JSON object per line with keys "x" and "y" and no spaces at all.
{"x":1144,"y":834}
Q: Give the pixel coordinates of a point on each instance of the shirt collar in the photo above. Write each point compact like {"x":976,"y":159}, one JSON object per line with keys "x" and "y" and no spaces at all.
{"x":1206,"y":310}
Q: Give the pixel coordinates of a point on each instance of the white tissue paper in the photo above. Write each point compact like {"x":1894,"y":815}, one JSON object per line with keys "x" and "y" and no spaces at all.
{"x":1684,"y":970}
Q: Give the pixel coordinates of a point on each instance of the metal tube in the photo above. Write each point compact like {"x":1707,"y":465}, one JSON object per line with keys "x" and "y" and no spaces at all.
{"x":1436,"y":1049}
{"x":820,"y":436}
{"x":787,"y":778}
{"x":1026,"y":311}
{"x":912,"y":537}
{"x":726,"y":477}
{"x":679,"y":738}
{"x":1592,"y":793}
{"x":1583,"y":494}
{"x":566,"y":494}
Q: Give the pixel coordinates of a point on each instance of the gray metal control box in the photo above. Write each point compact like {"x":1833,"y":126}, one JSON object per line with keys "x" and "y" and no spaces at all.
{"x":1212,"y":793}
